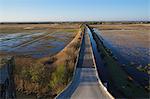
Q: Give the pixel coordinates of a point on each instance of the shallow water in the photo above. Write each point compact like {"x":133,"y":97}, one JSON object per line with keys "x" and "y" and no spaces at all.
{"x":127,"y":55}
{"x":8,"y":41}
{"x":103,"y":74}
{"x":36,"y":45}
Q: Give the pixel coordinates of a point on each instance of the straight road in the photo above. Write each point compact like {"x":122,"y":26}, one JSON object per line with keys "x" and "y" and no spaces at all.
{"x":85,"y":84}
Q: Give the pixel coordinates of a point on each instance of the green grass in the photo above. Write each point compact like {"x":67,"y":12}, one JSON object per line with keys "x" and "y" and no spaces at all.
{"x":58,"y":76}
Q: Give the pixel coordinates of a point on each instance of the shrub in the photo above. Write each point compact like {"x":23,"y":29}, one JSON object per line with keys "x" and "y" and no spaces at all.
{"x":57,"y":76}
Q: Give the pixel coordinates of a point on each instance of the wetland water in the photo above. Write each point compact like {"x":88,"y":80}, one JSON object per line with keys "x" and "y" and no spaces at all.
{"x":133,"y":47}
{"x":35,"y":44}
{"x":100,"y":66}
{"x":103,"y":72}
{"x":127,"y":52}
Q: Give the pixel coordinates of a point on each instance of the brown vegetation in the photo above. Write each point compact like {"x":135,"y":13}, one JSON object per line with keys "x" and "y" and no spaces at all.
{"x":47,"y":76}
{"x":12,"y":28}
{"x":122,"y":26}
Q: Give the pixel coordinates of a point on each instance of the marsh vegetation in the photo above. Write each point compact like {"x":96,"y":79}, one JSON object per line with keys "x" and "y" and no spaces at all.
{"x":45,"y":55}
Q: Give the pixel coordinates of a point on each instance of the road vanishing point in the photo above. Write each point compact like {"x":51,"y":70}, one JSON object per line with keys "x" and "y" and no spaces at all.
{"x":85,"y":83}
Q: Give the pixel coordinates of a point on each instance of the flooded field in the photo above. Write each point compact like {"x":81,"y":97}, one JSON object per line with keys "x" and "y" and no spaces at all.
{"x":130,"y":44}
{"x":35,"y":40}
{"x":133,"y":45}
{"x":35,"y":47}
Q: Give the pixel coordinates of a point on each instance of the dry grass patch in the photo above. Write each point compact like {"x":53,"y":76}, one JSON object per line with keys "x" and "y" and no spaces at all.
{"x":48,"y":76}
{"x":122,"y":26}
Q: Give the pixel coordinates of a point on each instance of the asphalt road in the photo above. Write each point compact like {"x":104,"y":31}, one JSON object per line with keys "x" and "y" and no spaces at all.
{"x":85,"y":84}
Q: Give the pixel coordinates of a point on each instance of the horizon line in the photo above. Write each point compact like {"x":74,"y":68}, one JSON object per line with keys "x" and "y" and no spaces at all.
{"x":74,"y":21}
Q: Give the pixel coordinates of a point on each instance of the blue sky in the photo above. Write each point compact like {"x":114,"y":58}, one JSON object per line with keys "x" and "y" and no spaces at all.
{"x":74,"y":10}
